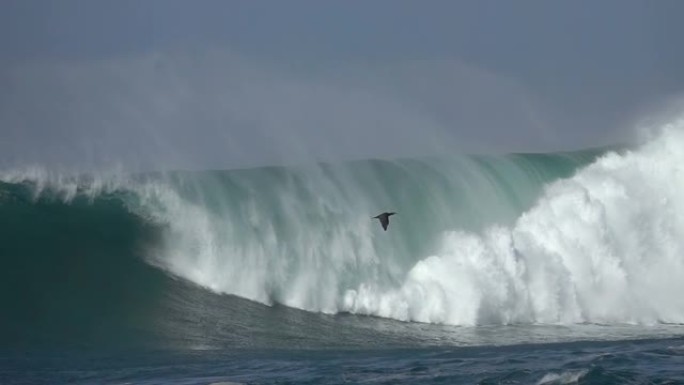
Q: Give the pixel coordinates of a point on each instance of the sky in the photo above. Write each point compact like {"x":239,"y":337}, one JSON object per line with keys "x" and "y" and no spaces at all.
{"x":224,"y":84}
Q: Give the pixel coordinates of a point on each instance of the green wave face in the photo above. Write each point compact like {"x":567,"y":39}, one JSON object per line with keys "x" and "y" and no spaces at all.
{"x":87,"y":258}
{"x":590,"y":237}
{"x":303,"y":236}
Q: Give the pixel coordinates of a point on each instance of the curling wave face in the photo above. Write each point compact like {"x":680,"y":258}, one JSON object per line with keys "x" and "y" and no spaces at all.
{"x":305,"y":238}
{"x":586,"y":237}
{"x":603,"y":246}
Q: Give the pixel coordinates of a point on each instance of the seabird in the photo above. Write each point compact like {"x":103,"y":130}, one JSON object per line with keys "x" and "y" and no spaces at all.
{"x":384,"y":219}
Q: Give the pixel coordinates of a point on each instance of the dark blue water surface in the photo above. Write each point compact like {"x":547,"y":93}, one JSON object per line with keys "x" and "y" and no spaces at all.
{"x":624,"y":362}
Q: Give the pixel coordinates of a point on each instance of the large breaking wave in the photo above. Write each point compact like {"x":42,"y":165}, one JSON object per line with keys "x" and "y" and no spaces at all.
{"x":603,"y":246}
{"x":584,"y":237}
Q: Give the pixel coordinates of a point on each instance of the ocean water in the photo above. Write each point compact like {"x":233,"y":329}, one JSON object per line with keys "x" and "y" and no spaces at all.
{"x":528,"y":268}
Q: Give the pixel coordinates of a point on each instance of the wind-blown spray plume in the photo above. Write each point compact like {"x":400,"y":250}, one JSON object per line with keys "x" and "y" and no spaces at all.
{"x":557,"y":238}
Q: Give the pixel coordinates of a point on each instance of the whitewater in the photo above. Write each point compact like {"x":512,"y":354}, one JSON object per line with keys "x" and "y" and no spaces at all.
{"x":524,"y":268}
{"x":604,"y":246}
{"x":589,"y":237}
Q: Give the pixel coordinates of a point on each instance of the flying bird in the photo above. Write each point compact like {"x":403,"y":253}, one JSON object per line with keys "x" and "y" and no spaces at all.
{"x":384,"y":219}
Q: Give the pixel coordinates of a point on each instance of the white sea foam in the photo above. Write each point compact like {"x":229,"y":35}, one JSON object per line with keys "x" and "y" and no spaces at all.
{"x":604,"y":246}
{"x":568,"y":377}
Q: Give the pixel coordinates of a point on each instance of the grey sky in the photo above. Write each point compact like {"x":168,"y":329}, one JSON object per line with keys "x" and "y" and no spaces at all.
{"x":235,"y":83}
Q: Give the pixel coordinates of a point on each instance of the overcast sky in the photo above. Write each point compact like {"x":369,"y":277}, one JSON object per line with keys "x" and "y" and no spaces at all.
{"x":167,"y":83}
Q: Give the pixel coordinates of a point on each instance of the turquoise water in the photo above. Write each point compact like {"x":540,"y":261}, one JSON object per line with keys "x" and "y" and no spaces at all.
{"x":527,"y":268}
